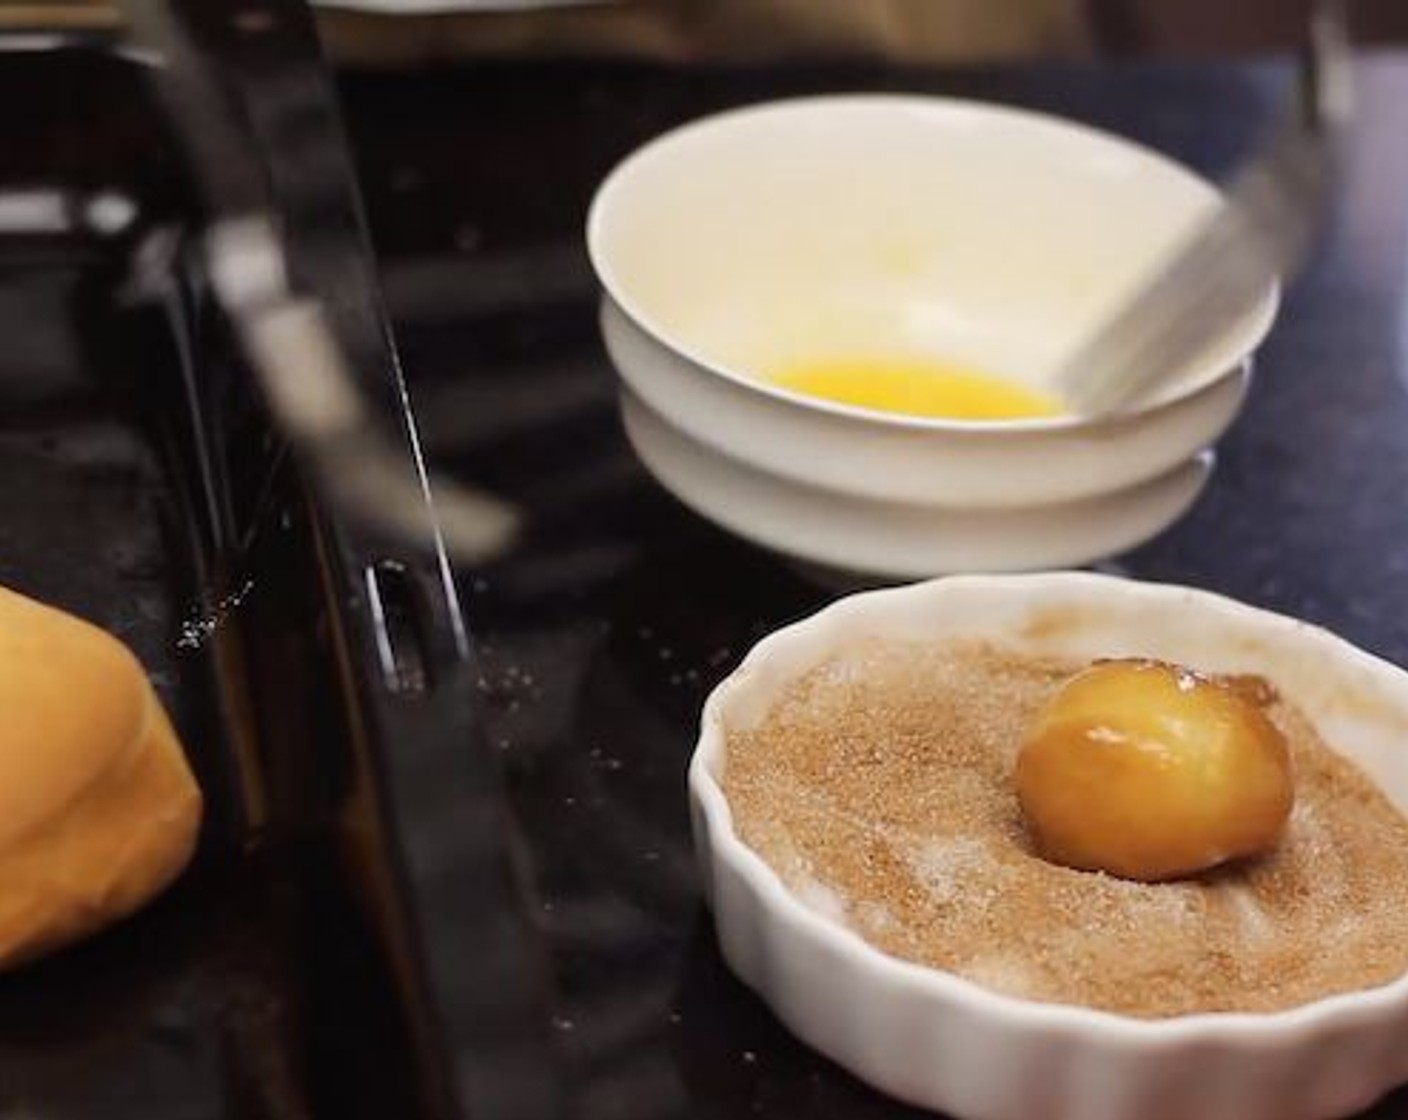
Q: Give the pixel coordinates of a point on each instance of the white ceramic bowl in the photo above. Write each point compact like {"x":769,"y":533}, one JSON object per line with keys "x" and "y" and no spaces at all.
{"x":912,"y":227}
{"x":937,"y":1040}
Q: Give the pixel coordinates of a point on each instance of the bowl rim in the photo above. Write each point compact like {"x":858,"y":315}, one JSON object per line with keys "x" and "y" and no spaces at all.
{"x":1202,"y":378}
{"x":955,"y":991}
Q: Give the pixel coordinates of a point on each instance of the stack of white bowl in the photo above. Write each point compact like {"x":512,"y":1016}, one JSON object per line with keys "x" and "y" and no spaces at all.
{"x":901,"y":226}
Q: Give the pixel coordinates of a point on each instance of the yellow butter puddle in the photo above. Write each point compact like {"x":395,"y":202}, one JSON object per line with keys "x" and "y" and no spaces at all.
{"x":917,"y":387}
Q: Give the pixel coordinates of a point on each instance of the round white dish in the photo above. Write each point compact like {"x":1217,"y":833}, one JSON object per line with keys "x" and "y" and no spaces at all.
{"x":901,"y":227}
{"x":934,"y":1039}
{"x":435,"y":7}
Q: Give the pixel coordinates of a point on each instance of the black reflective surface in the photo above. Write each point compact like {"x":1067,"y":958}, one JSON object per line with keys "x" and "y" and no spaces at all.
{"x":262,"y":986}
{"x":141,"y":488}
{"x":600,"y":635}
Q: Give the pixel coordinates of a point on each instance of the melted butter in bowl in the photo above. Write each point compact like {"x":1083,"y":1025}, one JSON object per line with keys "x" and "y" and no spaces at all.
{"x":917,"y":387}
{"x":793,"y":295}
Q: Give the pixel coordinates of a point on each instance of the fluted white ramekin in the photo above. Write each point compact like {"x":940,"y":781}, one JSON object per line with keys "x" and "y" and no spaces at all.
{"x":934,"y":1039}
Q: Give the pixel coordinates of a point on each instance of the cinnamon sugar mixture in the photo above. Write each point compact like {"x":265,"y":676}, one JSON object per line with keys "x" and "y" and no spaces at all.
{"x":880,"y":788}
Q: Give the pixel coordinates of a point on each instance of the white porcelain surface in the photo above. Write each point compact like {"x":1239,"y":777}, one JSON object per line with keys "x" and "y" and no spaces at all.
{"x":963,"y":465}
{"x":897,"y":539}
{"x":898,"y":226}
{"x":936,"y":1040}
{"x":429,"y":7}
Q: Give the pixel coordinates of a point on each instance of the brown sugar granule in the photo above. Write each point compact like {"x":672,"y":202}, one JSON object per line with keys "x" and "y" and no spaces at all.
{"x":880,"y":789}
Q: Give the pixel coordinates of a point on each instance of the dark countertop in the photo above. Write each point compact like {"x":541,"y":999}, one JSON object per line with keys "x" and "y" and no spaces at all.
{"x":256,"y":987}
{"x":600,"y":635}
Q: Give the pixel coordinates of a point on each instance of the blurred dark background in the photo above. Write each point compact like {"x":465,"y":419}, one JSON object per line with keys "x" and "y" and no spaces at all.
{"x":685,"y":30}
{"x":1192,"y":27}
